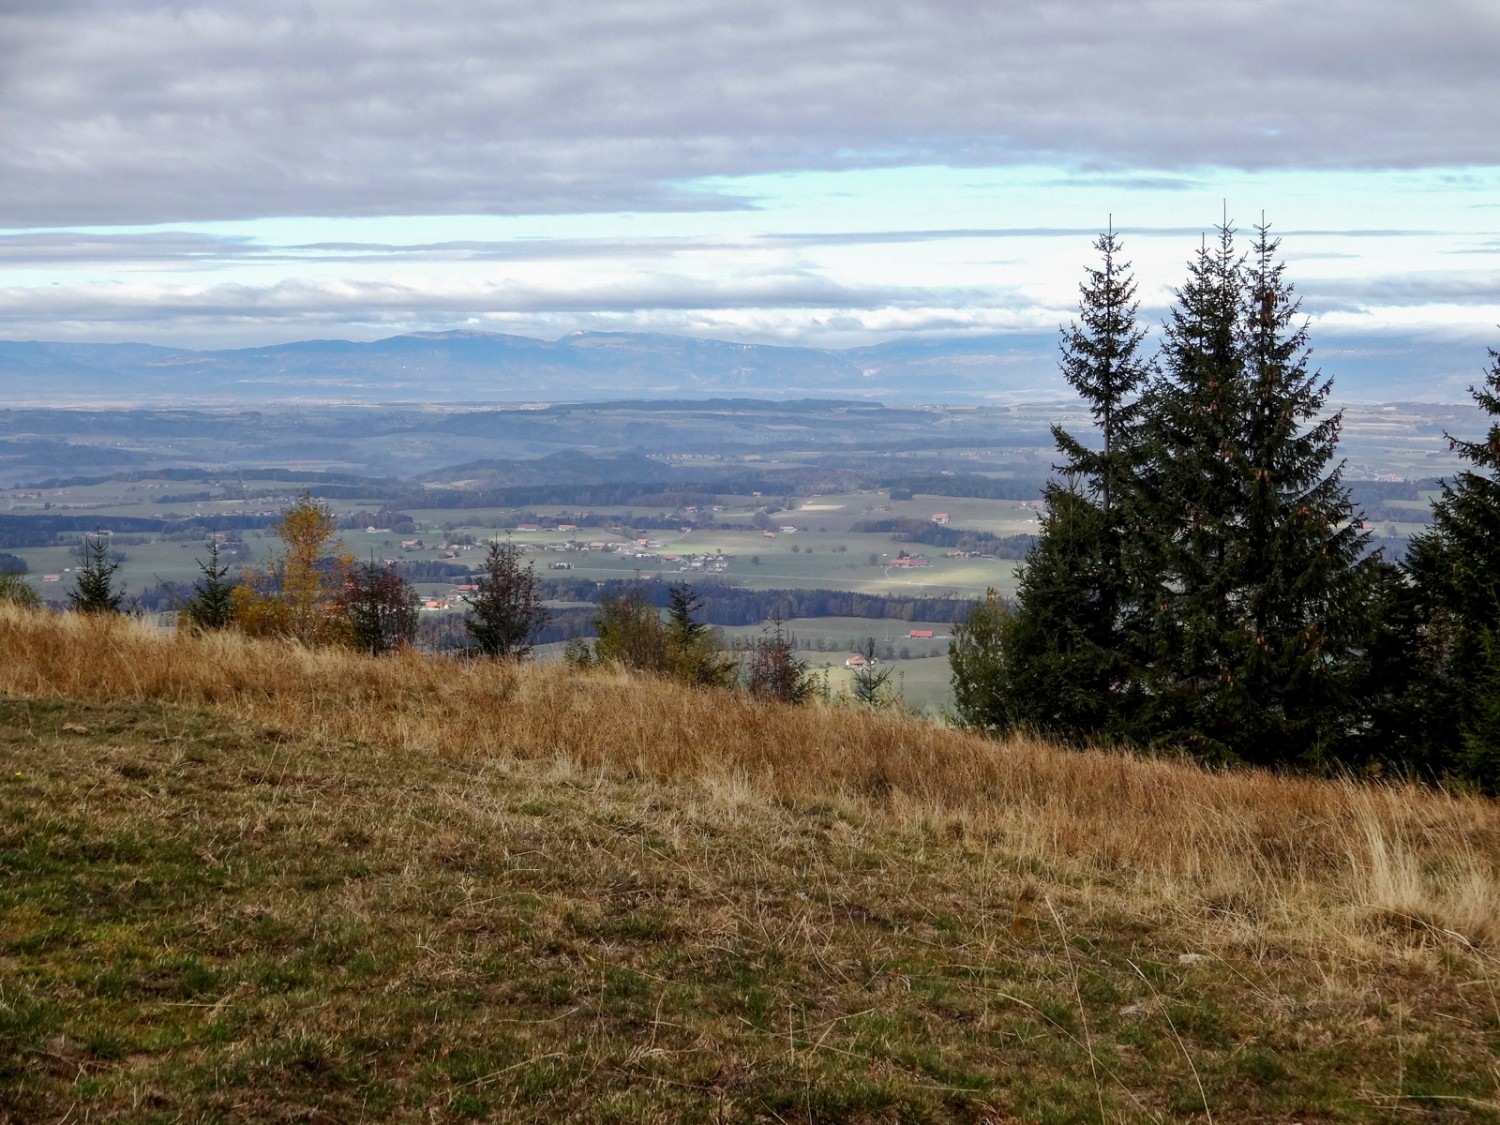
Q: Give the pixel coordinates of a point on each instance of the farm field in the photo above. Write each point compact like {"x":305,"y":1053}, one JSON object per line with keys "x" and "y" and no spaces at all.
{"x":821,"y":553}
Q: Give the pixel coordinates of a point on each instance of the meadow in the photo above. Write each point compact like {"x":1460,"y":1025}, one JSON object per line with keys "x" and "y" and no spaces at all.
{"x":249,"y":881}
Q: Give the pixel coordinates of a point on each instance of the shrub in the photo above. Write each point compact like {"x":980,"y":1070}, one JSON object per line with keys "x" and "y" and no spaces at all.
{"x":507,"y":613}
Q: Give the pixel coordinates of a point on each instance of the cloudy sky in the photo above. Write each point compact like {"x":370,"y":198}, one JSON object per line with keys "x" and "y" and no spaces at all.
{"x":833,"y":172}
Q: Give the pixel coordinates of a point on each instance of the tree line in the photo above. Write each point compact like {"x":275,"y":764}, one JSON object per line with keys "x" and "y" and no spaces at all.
{"x":1202,"y":579}
{"x":46,"y":529}
{"x":723,"y":604}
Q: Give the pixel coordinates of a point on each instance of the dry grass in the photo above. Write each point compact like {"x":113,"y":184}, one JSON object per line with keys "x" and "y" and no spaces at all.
{"x":1244,"y":859}
{"x":243,"y":881}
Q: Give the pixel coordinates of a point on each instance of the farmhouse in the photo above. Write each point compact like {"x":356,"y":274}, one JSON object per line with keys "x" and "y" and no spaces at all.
{"x":856,"y":661}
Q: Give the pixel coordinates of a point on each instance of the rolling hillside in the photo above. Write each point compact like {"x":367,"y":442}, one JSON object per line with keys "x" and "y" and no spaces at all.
{"x":245,"y":881}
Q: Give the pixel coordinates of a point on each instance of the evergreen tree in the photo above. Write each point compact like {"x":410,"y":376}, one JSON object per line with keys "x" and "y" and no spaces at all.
{"x":1255,"y":606}
{"x":1065,"y":653}
{"x":1455,"y":568}
{"x":1101,"y":360}
{"x":692,"y":650}
{"x":870,"y":683}
{"x":212,"y":603}
{"x":507,"y":613}
{"x":1183,"y":530}
{"x":94,"y":584}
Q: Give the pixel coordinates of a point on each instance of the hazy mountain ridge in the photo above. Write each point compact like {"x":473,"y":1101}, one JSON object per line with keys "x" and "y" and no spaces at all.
{"x":466,"y":366}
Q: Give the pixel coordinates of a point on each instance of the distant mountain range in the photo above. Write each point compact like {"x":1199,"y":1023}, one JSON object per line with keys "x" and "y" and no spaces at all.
{"x":595,"y":366}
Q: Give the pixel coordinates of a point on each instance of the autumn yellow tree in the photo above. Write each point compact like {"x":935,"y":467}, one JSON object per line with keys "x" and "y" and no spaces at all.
{"x":299,"y":594}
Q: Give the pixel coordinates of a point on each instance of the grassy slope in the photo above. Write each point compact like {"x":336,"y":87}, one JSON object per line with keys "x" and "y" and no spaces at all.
{"x":245,"y":882}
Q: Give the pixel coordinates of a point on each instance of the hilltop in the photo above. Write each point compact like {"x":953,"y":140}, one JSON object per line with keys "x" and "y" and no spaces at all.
{"x":243,"y":880}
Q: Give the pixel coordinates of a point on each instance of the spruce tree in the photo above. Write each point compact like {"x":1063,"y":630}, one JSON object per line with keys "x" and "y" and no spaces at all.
{"x":1061,"y":654}
{"x":1065,"y":655}
{"x":1183,"y":534}
{"x":212,"y":603}
{"x":692,"y":650}
{"x":870,"y":683}
{"x":1101,"y":360}
{"x":1455,"y":568}
{"x":1254,"y":602}
{"x":94,"y":583}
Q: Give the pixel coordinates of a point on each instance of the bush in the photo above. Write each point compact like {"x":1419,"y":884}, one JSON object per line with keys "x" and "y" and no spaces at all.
{"x":382,"y":610}
{"x":14,"y":589}
{"x":507,"y":613}
{"x":977,"y":660}
{"x":776,"y":672}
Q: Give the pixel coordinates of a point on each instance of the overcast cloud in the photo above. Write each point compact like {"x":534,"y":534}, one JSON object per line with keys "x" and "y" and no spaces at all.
{"x":813,"y":172}
{"x":135,"y":112}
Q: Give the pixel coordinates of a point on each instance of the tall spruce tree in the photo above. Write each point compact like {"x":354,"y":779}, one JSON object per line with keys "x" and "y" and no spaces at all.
{"x":1183,"y":533}
{"x":1101,"y":359}
{"x":1455,"y":568}
{"x":1255,"y":601}
{"x":1065,"y":656}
